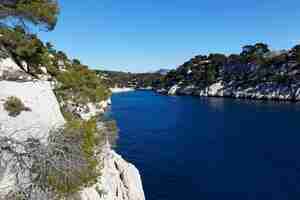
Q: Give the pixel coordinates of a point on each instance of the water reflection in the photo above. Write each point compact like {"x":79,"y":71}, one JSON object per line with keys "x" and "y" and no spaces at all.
{"x":215,"y":103}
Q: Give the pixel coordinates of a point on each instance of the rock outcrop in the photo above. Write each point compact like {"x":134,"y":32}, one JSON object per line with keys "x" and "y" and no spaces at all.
{"x":43,"y":116}
{"x":256,"y":73}
{"x":88,"y":110}
{"x":9,"y":70}
{"x":120,"y":180}
{"x":44,"y":111}
{"x":173,"y":90}
{"x":263,"y":91}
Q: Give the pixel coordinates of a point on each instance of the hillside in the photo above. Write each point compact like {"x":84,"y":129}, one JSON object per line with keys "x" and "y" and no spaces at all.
{"x":256,"y":73}
{"x":55,"y":142}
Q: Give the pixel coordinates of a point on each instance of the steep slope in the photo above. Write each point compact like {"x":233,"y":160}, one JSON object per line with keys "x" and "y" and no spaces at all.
{"x":119,"y":179}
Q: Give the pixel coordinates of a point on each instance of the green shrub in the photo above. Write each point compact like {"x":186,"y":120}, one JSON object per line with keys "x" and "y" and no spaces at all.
{"x":25,"y":47}
{"x":14,"y":106}
{"x":41,"y":13}
{"x":63,"y":166}
{"x":79,"y":167}
{"x":81,"y":85}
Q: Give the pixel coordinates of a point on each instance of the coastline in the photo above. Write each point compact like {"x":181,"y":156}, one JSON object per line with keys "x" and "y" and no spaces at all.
{"x":269,"y":93}
{"x":120,"y":90}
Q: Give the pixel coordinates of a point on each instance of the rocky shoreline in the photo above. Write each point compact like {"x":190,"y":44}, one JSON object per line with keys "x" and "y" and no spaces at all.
{"x":265,"y":91}
{"x":120,"y":90}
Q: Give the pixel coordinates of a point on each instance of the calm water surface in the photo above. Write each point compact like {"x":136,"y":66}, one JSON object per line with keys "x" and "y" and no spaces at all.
{"x":189,"y":148}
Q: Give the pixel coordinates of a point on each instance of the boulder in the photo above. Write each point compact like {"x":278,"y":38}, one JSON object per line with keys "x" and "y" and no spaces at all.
{"x":9,"y":70}
{"x":173,"y":90}
{"x":216,"y":89}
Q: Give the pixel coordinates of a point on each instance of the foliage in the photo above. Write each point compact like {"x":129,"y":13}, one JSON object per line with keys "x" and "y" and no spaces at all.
{"x":251,"y":53}
{"x":65,"y":179}
{"x":43,"y":13}
{"x":77,"y":83}
{"x":14,"y":106}
{"x":59,"y":168}
{"x":68,"y":161}
{"x":280,"y":79}
{"x":218,"y":59}
{"x":50,"y":48}
{"x":25,"y":47}
{"x":81,"y":85}
{"x":134,"y":80}
{"x":211,"y":72}
{"x":256,"y":64}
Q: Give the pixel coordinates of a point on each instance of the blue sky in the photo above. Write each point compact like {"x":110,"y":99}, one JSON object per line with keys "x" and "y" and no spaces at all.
{"x":145,"y":35}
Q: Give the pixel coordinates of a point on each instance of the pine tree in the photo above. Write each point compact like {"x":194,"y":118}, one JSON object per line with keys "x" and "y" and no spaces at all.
{"x":41,"y":13}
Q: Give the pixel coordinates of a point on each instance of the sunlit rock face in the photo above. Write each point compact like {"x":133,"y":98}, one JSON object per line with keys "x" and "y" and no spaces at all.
{"x":264,"y":91}
{"x":173,"y":90}
{"x":9,"y":70}
{"x":87,"y":110}
{"x":120,"y":180}
{"x":43,"y":114}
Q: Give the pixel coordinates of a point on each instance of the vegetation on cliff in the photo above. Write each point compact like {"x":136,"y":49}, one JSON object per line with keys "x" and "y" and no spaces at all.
{"x":255,"y":65}
{"x":43,"y":13}
{"x":80,"y":142}
{"x":69,"y":161}
{"x":81,"y":85}
{"x":14,"y":106}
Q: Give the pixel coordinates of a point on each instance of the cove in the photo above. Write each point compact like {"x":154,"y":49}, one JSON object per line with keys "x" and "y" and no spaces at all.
{"x":210,"y":148}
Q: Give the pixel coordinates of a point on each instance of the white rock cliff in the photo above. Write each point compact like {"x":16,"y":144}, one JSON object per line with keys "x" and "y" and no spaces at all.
{"x":265,"y":91}
{"x":120,"y":180}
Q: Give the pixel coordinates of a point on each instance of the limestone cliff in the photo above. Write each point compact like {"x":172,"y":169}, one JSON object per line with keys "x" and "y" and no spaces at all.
{"x":256,"y":73}
{"x":119,"y":179}
{"x":264,"y":91}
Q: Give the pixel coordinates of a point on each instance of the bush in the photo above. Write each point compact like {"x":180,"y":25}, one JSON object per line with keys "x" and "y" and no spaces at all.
{"x":14,"y":106}
{"x":25,"y":47}
{"x":63,"y":166}
{"x":81,"y":85}
{"x":77,"y":145}
{"x":60,"y":168}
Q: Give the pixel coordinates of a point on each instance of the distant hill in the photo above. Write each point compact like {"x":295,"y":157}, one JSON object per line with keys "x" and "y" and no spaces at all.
{"x":162,"y":71}
{"x":134,"y":80}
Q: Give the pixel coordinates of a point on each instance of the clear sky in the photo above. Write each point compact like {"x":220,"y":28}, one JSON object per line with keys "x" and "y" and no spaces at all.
{"x":145,"y":35}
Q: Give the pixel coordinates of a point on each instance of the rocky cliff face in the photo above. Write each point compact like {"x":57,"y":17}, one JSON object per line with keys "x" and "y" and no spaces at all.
{"x":256,"y":73}
{"x":119,"y":179}
{"x":43,"y":115}
{"x":264,"y":91}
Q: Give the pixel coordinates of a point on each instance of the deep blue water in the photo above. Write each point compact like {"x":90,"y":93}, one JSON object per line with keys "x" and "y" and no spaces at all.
{"x":189,"y":148}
